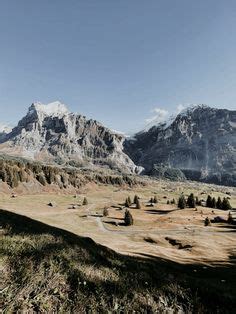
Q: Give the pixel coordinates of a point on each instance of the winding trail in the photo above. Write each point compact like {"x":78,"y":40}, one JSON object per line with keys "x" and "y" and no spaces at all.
{"x":102,"y":227}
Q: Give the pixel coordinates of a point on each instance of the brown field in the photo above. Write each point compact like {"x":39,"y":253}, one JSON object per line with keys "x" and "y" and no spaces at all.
{"x":159,"y":231}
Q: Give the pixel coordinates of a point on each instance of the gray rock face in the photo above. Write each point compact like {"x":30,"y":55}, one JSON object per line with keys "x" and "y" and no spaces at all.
{"x":51,"y":133}
{"x":201,"y":142}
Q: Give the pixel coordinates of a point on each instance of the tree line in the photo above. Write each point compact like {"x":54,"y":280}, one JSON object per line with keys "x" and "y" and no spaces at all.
{"x":211,"y":202}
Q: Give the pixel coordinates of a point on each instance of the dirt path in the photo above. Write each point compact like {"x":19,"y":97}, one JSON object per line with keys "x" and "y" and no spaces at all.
{"x":97,"y":219}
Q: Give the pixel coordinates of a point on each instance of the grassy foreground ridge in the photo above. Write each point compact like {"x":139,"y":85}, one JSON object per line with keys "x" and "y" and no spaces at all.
{"x":47,"y":269}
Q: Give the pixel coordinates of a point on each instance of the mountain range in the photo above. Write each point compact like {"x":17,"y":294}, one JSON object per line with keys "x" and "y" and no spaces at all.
{"x":198,"y":144}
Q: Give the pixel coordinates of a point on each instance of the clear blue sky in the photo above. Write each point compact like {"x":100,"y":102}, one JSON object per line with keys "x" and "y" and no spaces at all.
{"x":115,"y":61}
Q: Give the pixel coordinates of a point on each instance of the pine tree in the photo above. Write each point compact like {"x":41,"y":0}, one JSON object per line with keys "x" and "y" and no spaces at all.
{"x":168,"y":202}
{"x":129,"y":201}
{"x":226,"y":204}
{"x":198,"y":203}
{"x":230,"y":218}
{"x":85,"y":201}
{"x":191,"y":201}
{"x":219,"y":203}
{"x":126,"y":202}
{"x":136,"y":198}
{"x":209,"y":201}
{"x":138,"y":205}
{"x":128,"y":218}
{"x":155,"y":199}
{"x":213,"y":202}
{"x":151,"y":200}
{"x":181,"y":202}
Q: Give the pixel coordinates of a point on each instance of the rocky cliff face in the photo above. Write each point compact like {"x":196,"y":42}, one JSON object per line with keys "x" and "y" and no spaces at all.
{"x":200,"y":141}
{"x":51,"y":133}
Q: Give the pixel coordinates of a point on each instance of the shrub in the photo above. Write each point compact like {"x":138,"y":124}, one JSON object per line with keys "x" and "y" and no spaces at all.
{"x":207,"y":222}
{"x":105,"y":212}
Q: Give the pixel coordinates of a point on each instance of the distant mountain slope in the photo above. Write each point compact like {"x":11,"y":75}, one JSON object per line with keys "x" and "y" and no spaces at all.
{"x":51,"y":133}
{"x":201,"y":141}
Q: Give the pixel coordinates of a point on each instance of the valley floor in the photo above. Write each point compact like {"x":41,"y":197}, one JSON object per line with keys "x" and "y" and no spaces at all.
{"x":159,"y":231}
{"x":170,"y":261}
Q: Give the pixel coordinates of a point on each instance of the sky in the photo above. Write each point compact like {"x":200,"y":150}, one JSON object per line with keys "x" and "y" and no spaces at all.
{"x":119,"y":62}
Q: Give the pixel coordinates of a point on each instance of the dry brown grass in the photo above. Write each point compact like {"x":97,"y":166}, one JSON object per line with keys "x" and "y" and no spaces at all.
{"x":209,"y":245}
{"x":46,"y":269}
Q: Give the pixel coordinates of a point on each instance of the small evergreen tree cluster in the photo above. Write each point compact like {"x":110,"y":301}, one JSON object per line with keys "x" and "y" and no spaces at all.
{"x":153,"y":200}
{"x":128,"y":218}
{"x":211,"y":202}
{"x":219,"y":204}
{"x":128,"y":202}
{"x":191,"y":201}
{"x":181,"y":202}
{"x":226,"y":204}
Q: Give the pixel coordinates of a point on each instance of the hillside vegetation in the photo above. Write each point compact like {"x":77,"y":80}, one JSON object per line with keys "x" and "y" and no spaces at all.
{"x":15,"y":170}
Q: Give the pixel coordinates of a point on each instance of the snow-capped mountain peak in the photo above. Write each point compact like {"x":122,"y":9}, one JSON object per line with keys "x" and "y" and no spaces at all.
{"x":50,"y":133}
{"x":191,"y":108}
{"x":163,"y":119}
{"x":157,"y":123}
{"x":54,"y":109}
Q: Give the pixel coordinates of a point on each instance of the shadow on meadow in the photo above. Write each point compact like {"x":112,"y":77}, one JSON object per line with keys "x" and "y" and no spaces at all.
{"x":50,"y":269}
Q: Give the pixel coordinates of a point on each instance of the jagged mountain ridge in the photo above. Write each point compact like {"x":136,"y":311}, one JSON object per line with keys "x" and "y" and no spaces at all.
{"x":51,"y":133}
{"x":201,"y":141}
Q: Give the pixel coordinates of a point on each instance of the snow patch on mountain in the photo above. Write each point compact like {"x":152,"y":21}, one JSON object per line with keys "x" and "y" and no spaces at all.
{"x":5,"y":128}
{"x":191,"y":108}
{"x":163,"y":119}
